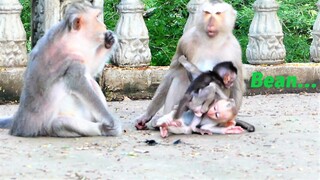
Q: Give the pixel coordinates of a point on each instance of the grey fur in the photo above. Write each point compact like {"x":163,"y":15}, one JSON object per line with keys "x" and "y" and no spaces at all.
{"x":39,"y":108}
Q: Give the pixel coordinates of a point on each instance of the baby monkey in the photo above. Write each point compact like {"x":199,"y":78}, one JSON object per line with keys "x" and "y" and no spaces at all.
{"x":203,"y":89}
{"x":200,"y":95}
{"x":219,"y":120}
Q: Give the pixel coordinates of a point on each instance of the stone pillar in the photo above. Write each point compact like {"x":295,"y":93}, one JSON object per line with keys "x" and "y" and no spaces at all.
{"x":315,"y":45}
{"x":265,"y":35}
{"x":133,"y":35}
{"x":192,"y":7}
{"x":13,"y":52}
{"x":46,"y":13}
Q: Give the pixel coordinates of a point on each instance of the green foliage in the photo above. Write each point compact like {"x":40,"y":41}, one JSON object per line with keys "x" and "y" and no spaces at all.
{"x":111,"y":15}
{"x":168,"y":18}
{"x":26,"y":20}
{"x":165,"y":28}
{"x":298,"y":17}
{"x":245,"y":15}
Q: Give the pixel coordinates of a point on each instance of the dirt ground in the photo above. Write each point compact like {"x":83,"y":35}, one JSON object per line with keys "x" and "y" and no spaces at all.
{"x":284,"y":146}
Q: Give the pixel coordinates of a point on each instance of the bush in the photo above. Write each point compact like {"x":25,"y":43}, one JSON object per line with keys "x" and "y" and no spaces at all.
{"x":298,"y":17}
{"x":166,"y":24}
{"x":26,"y":20}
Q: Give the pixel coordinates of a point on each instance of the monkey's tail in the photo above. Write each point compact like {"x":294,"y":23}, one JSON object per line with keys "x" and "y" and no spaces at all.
{"x":6,"y":123}
{"x":245,"y":125}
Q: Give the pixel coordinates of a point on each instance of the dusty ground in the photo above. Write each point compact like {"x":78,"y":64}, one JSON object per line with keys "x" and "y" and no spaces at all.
{"x":284,"y":146}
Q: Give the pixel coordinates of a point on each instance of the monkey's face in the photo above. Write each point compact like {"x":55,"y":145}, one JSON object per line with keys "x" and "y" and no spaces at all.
{"x":228,"y":79}
{"x":221,"y":111}
{"x":92,"y":25}
{"x":216,"y":18}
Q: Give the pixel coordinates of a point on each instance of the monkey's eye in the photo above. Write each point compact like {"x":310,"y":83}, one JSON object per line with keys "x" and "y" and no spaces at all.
{"x":218,"y":13}
{"x":217,"y":115}
{"x":99,"y":14}
{"x":207,"y":12}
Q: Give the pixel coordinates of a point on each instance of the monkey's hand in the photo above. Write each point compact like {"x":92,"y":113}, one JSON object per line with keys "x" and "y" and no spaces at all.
{"x":232,"y":130}
{"x":142,"y":121}
{"x":164,"y":132}
{"x":175,"y":123}
{"x":204,"y":109}
{"x":141,"y":124}
{"x":108,"y":39}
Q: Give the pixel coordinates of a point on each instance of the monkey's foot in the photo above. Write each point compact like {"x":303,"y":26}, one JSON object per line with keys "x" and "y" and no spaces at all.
{"x":141,"y":122}
{"x":233,"y":130}
{"x":107,"y":130}
{"x":164,"y":131}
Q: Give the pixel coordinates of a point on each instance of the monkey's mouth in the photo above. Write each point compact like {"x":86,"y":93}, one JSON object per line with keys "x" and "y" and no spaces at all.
{"x":212,"y":33}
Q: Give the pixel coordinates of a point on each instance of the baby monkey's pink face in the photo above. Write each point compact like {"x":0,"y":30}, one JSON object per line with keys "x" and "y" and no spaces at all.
{"x":221,"y":111}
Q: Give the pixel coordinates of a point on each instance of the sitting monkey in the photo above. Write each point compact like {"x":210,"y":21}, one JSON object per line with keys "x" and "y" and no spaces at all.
{"x":198,"y":97}
{"x":60,"y":96}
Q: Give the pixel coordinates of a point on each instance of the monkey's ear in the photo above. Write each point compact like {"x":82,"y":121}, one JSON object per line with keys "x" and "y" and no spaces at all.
{"x":232,"y":102}
{"x":76,"y":23}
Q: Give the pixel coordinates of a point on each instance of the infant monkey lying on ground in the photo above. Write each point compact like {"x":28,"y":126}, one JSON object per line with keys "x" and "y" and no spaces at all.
{"x":219,"y":120}
{"x":211,"y":113}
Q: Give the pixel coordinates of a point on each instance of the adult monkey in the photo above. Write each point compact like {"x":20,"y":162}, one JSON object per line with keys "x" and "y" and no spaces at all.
{"x":209,"y":42}
{"x":60,"y":96}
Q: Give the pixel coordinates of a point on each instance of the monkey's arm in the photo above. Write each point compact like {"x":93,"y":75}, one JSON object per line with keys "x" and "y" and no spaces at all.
{"x":182,"y":105}
{"x":212,"y":89}
{"x":189,"y":66}
{"x":222,"y":130}
{"x":221,"y":93}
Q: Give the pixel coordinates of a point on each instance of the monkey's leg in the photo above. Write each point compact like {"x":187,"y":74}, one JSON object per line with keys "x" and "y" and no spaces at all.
{"x":156,"y":102}
{"x":183,"y":129}
{"x":82,"y":88}
{"x":177,"y":90}
{"x":165,"y":119}
{"x":72,"y":127}
{"x":237,"y":94}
